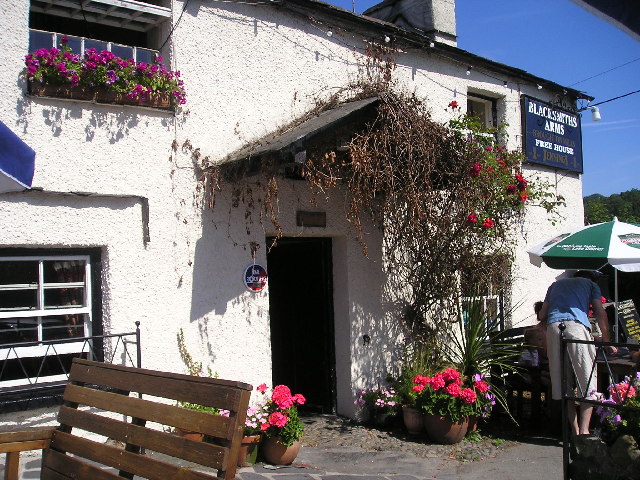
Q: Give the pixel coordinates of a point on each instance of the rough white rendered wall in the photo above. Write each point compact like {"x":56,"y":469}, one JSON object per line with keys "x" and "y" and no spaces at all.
{"x":248,"y":70}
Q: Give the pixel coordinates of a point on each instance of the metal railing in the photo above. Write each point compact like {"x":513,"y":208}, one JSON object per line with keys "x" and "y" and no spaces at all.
{"x":27,"y":381}
{"x":581,"y":396}
{"x":44,"y":39}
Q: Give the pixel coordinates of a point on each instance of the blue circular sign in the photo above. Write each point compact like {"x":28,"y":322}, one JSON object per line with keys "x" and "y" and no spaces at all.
{"x":255,"y":277}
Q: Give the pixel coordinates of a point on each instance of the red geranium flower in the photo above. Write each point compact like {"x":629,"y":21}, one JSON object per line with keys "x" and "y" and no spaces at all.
{"x":437,"y":381}
{"x":278,"y":419}
{"x":450,"y":374}
{"x":468,"y":395}
{"x":481,"y":386}
{"x":453,"y":389}
{"x":282,"y":396}
{"x":621,"y":391}
{"x":488,"y":223}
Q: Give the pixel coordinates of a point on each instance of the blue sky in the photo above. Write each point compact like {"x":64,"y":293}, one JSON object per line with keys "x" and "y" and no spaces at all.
{"x":561,"y":42}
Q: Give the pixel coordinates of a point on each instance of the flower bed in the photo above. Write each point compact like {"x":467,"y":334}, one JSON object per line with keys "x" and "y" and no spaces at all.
{"x":102,"y":77}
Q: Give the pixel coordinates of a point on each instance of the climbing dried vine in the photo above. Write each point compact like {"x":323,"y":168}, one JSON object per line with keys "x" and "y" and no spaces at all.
{"x":447,"y":197}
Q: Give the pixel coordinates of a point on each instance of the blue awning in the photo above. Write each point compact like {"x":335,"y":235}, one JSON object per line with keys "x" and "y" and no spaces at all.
{"x":17,"y":162}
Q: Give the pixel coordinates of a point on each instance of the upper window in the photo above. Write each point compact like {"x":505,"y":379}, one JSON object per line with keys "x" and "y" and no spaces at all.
{"x":128,"y":28}
{"x":41,"y":39}
{"x":483,"y":108}
{"x":44,"y":301}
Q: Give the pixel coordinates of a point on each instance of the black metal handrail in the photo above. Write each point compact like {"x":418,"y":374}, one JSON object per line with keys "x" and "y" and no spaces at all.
{"x":39,"y":388}
{"x":567,"y":397}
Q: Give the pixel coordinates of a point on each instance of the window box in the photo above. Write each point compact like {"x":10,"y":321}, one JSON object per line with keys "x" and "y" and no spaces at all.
{"x":40,"y":89}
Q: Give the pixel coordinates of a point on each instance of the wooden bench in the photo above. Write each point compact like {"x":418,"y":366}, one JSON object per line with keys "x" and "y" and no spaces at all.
{"x":103,"y":402}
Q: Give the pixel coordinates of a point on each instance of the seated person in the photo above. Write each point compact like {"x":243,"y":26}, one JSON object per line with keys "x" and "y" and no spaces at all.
{"x":535,"y":342}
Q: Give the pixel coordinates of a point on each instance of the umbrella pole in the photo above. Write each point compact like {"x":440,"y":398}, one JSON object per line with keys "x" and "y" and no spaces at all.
{"x":615,"y":283}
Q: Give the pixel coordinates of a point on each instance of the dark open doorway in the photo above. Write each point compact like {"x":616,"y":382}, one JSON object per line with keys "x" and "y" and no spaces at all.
{"x":301,"y":315}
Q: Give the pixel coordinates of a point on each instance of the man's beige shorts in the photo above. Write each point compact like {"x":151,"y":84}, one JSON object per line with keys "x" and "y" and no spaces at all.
{"x":580,"y":360}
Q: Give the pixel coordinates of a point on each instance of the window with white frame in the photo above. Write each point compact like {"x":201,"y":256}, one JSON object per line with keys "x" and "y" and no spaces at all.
{"x":483,"y":108}
{"x":130,"y":29}
{"x":484,"y":289}
{"x":45,"y":305}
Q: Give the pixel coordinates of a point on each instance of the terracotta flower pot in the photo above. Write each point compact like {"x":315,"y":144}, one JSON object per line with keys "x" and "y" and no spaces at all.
{"x":384,"y":420}
{"x":249,"y":450}
{"x":413,"y":421}
{"x":473,"y":423}
{"x":190,"y":434}
{"x":276,"y":453}
{"x":444,"y":430}
{"x":101,"y":96}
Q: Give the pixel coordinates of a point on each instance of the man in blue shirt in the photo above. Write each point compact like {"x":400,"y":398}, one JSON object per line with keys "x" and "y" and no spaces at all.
{"x":567,"y":303}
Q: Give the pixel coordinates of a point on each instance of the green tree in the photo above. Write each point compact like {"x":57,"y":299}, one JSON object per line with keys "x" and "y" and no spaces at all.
{"x":625,"y":206}
{"x":596,"y":209}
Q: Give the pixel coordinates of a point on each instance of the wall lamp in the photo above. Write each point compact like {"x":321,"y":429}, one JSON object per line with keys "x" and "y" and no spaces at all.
{"x":595,"y":113}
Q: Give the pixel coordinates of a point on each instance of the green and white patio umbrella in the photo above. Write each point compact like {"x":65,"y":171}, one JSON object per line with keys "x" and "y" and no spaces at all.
{"x":591,"y":248}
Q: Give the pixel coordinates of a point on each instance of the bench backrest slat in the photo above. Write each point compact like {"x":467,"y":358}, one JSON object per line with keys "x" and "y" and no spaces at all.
{"x":167,"y":443}
{"x":141,"y":465}
{"x":174,"y":386}
{"x":216,"y":426}
{"x":58,"y":466}
{"x":103,"y":400}
{"x":513,"y":336}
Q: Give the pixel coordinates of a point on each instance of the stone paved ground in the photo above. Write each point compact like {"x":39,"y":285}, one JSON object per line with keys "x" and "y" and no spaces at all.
{"x":336,"y":448}
{"x":333,"y":431}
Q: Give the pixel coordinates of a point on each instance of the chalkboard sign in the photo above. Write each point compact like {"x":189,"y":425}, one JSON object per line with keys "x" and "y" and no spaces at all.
{"x":629,"y":319}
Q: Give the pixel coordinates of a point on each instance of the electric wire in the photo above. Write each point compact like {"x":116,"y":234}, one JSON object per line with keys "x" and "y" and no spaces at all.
{"x":612,"y":99}
{"x":184,"y":8}
{"x":606,"y":71}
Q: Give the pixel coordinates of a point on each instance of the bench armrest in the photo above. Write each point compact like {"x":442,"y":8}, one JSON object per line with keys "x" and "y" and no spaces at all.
{"x":34,"y":438}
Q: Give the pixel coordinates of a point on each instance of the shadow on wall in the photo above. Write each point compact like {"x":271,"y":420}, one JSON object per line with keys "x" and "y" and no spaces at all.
{"x":114,"y":122}
{"x":377,"y":337}
{"x":221,"y":255}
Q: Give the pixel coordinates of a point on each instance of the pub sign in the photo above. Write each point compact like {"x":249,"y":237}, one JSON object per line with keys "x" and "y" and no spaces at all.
{"x":255,"y":277}
{"x":552,"y":136}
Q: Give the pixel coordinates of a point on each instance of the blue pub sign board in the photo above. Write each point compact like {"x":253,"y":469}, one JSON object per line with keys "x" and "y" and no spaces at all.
{"x":552,"y":136}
